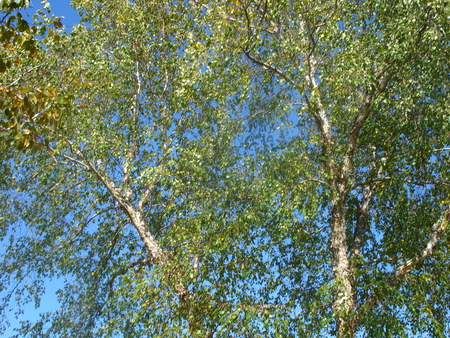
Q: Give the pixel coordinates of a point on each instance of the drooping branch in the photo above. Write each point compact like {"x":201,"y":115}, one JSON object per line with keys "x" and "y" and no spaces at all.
{"x":437,"y":230}
{"x":310,"y":90}
{"x":15,"y":82}
{"x":271,"y":68}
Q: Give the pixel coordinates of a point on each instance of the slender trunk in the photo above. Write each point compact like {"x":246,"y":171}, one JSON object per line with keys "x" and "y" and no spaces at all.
{"x":159,"y":256}
{"x":343,"y":304}
{"x":191,"y":309}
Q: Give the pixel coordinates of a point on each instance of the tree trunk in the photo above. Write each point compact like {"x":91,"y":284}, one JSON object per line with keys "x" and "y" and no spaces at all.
{"x":343,"y":303}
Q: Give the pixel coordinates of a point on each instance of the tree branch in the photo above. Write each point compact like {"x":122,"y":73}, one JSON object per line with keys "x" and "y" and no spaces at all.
{"x":134,"y":216}
{"x":12,"y":84}
{"x":399,"y":273}
{"x":274,"y":69}
{"x":125,"y":269}
{"x":436,"y":232}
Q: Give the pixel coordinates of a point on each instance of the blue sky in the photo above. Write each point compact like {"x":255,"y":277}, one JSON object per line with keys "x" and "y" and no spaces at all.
{"x":63,"y":8}
{"x":60,"y":8}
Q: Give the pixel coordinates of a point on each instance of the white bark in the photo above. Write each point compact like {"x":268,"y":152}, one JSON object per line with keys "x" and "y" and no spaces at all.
{"x":437,"y":230}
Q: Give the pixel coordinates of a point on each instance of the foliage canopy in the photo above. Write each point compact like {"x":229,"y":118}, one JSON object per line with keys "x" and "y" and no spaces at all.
{"x":33,"y":83}
{"x":237,"y":169}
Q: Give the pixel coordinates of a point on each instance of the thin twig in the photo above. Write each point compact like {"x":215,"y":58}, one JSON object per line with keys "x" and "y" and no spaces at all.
{"x":12,"y":84}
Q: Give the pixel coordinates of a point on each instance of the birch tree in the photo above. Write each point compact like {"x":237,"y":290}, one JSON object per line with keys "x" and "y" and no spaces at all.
{"x":364,"y":170}
{"x":124,"y":198}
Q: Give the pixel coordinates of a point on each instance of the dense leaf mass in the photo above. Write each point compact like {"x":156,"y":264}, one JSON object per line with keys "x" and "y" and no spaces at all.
{"x":228,"y":169}
{"x":34,"y":91}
